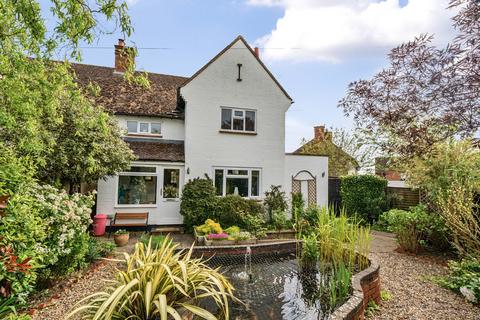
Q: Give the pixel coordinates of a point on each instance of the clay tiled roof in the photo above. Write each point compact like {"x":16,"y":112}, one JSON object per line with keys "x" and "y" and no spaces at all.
{"x":148,"y":149}
{"x":120,"y":97}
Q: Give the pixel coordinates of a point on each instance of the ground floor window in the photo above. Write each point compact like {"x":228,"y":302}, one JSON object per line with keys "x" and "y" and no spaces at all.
{"x":138,"y":185}
{"x":243,"y":182}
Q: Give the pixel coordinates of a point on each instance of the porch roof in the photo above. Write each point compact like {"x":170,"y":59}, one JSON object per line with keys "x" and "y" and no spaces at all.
{"x":154,"y":150}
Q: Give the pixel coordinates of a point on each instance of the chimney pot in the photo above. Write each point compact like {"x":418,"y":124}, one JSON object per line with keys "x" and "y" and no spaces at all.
{"x":121,"y":43}
{"x":257,"y":52}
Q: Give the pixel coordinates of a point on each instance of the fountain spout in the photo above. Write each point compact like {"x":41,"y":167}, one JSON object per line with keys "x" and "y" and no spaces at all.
{"x":248,"y":262}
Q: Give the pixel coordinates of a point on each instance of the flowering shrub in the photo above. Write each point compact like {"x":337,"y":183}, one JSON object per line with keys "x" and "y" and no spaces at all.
{"x":217,"y":236}
{"x":210,"y":226}
{"x":49,"y":226}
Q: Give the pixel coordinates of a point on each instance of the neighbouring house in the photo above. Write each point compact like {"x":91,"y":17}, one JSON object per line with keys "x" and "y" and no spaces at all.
{"x":227,"y":121}
{"x":340,"y":163}
{"x":384,"y":169}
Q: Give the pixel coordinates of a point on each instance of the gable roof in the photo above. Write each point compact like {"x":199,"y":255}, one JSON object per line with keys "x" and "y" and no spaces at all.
{"x":120,"y":97}
{"x":239,"y":38}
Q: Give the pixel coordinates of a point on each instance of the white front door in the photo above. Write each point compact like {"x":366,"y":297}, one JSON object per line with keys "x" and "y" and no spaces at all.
{"x":170,"y":184}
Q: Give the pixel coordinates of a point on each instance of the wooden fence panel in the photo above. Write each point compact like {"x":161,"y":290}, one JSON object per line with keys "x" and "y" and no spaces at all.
{"x":403,"y":198}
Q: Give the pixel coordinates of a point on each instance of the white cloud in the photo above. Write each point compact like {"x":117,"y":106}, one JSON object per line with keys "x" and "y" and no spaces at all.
{"x":333,"y":30}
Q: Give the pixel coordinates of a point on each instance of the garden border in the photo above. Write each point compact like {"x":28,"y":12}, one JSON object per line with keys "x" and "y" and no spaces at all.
{"x":366,"y":287}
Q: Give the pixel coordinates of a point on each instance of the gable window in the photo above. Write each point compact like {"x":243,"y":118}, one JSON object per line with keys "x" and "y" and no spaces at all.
{"x":243,"y":182}
{"x":137,"y":186}
{"x":138,"y":127}
{"x":238,"y":120}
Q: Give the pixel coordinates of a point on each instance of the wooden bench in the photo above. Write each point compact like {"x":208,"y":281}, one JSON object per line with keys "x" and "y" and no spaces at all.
{"x":126,"y":216}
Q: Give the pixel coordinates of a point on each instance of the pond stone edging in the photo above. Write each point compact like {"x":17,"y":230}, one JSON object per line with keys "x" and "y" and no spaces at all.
{"x":366,"y":287}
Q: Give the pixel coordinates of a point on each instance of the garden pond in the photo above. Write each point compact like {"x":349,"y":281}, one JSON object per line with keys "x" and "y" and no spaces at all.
{"x":275,"y":286}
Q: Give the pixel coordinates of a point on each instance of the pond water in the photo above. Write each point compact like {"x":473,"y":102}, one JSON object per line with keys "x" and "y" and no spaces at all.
{"x":275,"y":287}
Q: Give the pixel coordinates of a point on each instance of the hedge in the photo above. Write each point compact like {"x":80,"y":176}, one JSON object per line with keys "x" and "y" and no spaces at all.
{"x":364,"y":195}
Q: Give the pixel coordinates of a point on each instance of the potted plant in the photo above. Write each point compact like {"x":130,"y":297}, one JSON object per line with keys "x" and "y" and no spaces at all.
{"x":170,"y":192}
{"x":245,"y":238}
{"x":121,"y":237}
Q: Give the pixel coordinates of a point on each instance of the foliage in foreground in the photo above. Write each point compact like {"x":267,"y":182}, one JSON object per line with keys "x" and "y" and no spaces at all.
{"x":48,"y":227}
{"x":364,"y":195}
{"x":450,"y":176}
{"x":415,"y":228}
{"x":337,"y":240}
{"x":160,"y":284}
{"x":464,"y":278}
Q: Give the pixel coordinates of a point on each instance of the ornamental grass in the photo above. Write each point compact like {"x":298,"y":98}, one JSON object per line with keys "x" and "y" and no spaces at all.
{"x":161,"y":284}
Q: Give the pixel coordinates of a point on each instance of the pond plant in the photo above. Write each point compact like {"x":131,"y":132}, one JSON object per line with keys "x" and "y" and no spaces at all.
{"x":160,"y":283}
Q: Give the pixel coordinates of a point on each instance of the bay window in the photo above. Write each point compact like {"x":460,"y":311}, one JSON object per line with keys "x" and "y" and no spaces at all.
{"x":243,"y":182}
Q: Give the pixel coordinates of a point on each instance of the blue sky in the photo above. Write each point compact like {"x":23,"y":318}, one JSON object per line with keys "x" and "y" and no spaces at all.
{"x":313,"y":47}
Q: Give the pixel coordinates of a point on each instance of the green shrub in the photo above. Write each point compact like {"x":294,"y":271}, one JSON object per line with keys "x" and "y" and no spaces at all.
{"x":464,"y":278}
{"x":198,"y":202}
{"x":280,"y":220}
{"x":233,"y":210}
{"x":414,"y":228}
{"x":98,"y":249}
{"x":232,"y":230}
{"x":49,"y":226}
{"x":255,"y":225}
{"x":156,"y":240}
{"x":275,"y":200}
{"x":364,"y":195}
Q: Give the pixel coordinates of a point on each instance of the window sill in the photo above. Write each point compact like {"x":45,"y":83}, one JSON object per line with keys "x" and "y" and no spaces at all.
{"x":125,"y":206}
{"x":248,"y":133}
{"x":171,"y":199}
{"x":144,"y":135}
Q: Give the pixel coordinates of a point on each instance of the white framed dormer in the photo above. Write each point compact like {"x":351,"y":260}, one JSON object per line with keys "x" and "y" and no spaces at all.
{"x":238,"y":120}
{"x":246,"y":182}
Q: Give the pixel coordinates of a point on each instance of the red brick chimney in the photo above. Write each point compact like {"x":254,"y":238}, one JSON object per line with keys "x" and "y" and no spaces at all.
{"x":122,"y":56}
{"x":257,"y":52}
{"x":321,"y":134}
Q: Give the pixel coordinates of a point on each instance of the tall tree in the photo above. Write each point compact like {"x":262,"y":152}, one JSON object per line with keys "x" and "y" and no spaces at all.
{"x":44,"y":115}
{"x":427,"y":94}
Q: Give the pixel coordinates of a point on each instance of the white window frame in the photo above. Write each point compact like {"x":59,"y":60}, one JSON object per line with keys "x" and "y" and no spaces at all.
{"x":226,"y":175}
{"x":243,"y":110}
{"x":149,"y":132}
{"x":139,"y":174}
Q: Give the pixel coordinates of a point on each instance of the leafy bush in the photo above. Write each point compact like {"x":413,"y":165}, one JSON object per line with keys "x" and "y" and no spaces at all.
{"x":198,"y":202}
{"x":280,"y":220}
{"x":15,"y":279}
{"x":233,"y":210}
{"x":98,"y":249}
{"x":161,"y":284}
{"x":364,"y":195}
{"x":450,"y":177}
{"x":232,"y":230}
{"x":255,"y":225}
{"x":464,"y":278}
{"x":209,"y":227}
{"x":275,"y":200}
{"x":49,"y":226}
{"x":156,"y":241}
{"x":414,"y":228}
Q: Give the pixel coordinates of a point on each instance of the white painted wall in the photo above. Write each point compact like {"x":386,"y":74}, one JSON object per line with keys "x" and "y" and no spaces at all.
{"x":316,"y":165}
{"x":217,"y":86}
{"x":164,"y":212}
{"x":172,"y":129}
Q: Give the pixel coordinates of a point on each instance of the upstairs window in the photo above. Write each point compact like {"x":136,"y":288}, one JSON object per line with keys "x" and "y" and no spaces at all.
{"x":138,"y":127}
{"x":238,"y":120}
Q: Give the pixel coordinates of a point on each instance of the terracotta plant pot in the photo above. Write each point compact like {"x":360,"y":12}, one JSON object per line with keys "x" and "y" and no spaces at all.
{"x":121,"y":239}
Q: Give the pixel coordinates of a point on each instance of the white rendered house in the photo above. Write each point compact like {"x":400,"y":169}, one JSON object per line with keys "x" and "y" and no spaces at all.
{"x":227,"y":121}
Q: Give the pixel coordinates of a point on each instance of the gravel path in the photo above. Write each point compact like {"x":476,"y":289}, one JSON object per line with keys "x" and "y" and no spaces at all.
{"x":414,"y":297}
